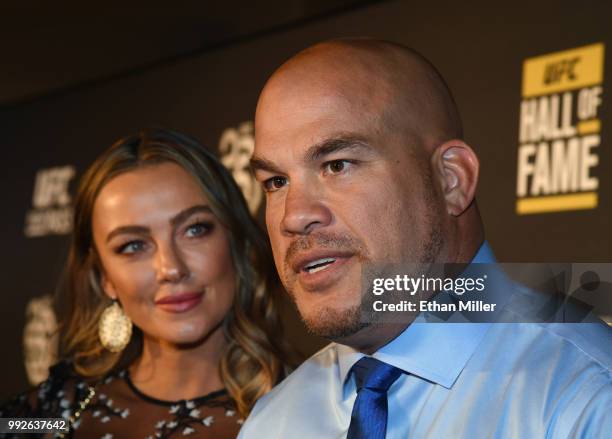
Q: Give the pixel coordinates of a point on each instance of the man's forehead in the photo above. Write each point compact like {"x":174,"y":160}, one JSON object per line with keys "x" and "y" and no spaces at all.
{"x":390,"y":85}
{"x":326,"y":75}
{"x":288,"y":99}
{"x":309,"y":112}
{"x":297,"y":130}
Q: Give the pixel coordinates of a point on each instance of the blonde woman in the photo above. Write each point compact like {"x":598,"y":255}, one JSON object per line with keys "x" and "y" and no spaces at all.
{"x":168,"y":306}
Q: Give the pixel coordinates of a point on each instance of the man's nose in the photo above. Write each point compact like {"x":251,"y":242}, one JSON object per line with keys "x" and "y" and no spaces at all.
{"x":305,"y":211}
{"x":171,"y":266}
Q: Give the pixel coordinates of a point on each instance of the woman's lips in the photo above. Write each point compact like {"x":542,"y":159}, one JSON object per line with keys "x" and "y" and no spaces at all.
{"x":178,"y":303}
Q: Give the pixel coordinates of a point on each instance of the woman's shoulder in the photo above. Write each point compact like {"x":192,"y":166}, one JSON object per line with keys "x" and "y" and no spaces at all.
{"x":51,"y":398}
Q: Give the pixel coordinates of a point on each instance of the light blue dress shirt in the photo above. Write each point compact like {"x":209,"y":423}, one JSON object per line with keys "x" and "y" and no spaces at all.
{"x":462,"y":380}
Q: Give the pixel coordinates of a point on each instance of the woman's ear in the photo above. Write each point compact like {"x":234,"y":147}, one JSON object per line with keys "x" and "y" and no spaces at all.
{"x":456,"y":167}
{"x":97,"y":272}
{"x":108,"y":287}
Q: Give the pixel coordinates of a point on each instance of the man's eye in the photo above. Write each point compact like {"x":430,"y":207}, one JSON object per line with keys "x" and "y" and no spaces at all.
{"x":336,"y":166}
{"x":198,"y":229}
{"x":274,"y":184}
{"x":131,"y":247}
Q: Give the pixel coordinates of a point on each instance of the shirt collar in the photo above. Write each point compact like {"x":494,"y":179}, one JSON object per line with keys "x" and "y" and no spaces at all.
{"x":484,"y":255}
{"x":437,"y":352}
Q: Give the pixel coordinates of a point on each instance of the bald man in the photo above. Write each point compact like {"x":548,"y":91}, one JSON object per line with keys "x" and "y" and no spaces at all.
{"x":359,"y":149}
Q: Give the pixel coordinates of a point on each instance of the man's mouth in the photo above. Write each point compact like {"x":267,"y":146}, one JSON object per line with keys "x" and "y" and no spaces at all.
{"x":318,"y":269}
{"x":317,"y":273}
{"x":318,"y":265}
{"x":319,"y":262}
{"x":316,"y":260}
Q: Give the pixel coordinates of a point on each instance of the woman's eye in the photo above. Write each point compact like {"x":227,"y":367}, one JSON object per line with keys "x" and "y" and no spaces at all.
{"x":131,"y":247}
{"x":336,"y":166}
{"x":198,"y":229}
{"x":274,"y":183}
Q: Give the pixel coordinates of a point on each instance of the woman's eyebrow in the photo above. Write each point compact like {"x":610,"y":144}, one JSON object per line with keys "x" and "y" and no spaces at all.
{"x":126,"y":229}
{"x":176,"y":219}
{"x":184,"y":214}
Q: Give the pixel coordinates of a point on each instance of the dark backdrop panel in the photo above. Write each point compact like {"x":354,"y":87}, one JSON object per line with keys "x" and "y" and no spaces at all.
{"x":478,"y":47}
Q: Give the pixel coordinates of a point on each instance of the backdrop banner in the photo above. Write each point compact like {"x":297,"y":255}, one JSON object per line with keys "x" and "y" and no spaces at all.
{"x":530,"y":81}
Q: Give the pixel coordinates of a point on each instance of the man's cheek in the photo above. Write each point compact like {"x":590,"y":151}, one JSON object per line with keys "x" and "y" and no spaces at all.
{"x":278,"y":255}
{"x":273,"y":225}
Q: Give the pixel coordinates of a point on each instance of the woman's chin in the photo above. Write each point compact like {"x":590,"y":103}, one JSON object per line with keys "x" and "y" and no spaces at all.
{"x":186,"y":334}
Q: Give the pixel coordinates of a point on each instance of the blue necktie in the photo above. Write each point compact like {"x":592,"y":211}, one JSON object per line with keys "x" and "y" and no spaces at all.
{"x":369,"y":417}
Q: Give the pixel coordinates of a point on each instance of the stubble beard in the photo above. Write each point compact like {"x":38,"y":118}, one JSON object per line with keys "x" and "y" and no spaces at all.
{"x":327,"y":321}
{"x":334,"y":324}
{"x":337,"y":324}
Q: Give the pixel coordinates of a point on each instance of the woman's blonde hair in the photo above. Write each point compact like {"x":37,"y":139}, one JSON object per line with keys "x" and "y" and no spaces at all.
{"x":255,"y":357}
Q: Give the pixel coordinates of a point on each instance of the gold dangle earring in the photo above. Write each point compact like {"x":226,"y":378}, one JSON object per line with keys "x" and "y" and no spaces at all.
{"x":114,"y":328}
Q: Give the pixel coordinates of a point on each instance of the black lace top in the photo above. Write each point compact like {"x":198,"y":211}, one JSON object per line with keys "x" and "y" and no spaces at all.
{"x":119,"y":410}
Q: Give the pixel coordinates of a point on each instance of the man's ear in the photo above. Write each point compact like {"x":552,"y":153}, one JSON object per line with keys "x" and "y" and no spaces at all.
{"x":456,"y":167}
